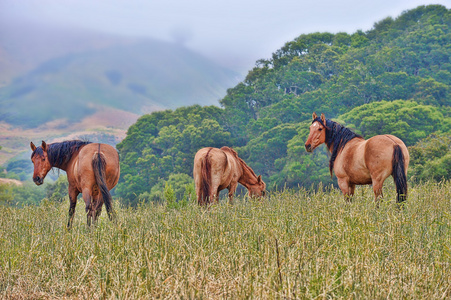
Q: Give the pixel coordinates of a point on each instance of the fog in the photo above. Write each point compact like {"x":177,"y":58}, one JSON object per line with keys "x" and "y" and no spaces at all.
{"x":234,"y":33}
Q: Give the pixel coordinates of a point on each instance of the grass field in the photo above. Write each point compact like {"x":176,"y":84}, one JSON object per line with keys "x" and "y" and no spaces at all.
{"x":297,"y":245}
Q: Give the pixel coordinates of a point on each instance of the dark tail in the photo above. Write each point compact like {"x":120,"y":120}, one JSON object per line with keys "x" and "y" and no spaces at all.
{"x":206,"y":179}
{"x":399,"y":174}
{"x":99,"y":165}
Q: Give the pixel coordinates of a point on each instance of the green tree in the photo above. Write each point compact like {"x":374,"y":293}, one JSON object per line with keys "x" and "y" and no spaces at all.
{"x":431,"y":158}
{"x":393,"y":79}
{"x":179,"y":183}
{"x":408,"y":120}
{"x":26,"y":194}
{"x":300,"y":168}
{"x":262,"y":152}
{"x":166,"y":145}
{"x":58,"y":191}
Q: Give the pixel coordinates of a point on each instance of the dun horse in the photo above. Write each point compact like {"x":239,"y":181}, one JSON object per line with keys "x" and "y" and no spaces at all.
{"x":216,"y":169}
{"x":92,"y":169}
{"x":357,"y":161}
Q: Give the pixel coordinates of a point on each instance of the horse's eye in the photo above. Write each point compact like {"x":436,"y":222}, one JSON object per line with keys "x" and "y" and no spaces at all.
{"x":320,"y":129}
{"x":43,"y":159}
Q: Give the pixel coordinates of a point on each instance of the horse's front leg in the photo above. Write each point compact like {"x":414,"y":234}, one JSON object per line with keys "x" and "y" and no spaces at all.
{"x":377,"y":189}
{"x":73,"y":194}
{"x":232,"y":188}
{"x":346,"y":188}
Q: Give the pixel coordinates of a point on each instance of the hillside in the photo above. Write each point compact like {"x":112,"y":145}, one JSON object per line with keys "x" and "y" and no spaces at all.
{"x":394,"y":78}
{"x":137,"y":78}
{"x":61,"y":83}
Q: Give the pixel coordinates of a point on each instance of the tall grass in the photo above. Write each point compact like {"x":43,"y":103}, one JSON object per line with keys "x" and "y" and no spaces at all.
{"x":299,"y":244}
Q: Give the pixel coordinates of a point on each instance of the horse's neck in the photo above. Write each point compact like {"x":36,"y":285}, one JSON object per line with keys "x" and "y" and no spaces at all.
{"x":60,"y":162}
{"x":62,"y":166}
{"x":247,"y":176}
{"x":330,"y":148}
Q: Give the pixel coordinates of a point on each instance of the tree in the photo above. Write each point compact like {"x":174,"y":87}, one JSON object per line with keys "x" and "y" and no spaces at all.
{"x":431,"y":158}
{"x":166,"y":145}
{"x":58,"y":191}
{"x":300,"y":168}
{"x":408,"y":120}
{"x":393,"y":79}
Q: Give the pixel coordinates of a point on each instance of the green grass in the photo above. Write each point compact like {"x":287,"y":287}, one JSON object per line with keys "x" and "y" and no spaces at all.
{"x":295,"y":245}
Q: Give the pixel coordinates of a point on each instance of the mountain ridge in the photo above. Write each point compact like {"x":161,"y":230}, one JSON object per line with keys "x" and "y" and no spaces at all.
{"x":56,"y":82}
{"x":138,"y":78}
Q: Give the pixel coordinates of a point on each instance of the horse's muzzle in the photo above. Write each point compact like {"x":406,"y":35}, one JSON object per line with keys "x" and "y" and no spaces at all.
{"x":268,"y":195}
{"x":38,"y":180}
{"x":308,"y":147}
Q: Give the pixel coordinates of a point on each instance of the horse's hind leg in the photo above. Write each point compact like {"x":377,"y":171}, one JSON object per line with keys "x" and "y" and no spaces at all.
{"x":200,"y":197}
{"x":88,"y":205}
{"x":214,"y":194}
{"x":97,"y":210}
{"x":73,"y":194}
{"x":214,"y":197}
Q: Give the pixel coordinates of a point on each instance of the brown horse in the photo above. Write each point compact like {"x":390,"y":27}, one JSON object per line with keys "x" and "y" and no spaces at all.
{"x":216,"y":169}
{"x":357,"y":161}
{"x":92,"y":169}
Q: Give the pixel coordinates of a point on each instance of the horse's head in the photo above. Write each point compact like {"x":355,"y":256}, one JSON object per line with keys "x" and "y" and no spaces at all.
{"x":317,"y":134}
{"x":258,"y":189}
{"x":41,"y":162}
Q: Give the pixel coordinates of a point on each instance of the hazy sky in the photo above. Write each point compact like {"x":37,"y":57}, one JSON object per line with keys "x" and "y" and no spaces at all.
{"x":239,"y":31}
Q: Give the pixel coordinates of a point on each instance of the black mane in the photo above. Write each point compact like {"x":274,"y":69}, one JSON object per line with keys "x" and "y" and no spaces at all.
{"x":338,"y":136}
{"x":60,"y":153}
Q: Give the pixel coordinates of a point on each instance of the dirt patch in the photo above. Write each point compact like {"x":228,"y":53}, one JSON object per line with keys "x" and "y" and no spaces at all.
{"x":10,"y":181}
{"x":107,"y":121}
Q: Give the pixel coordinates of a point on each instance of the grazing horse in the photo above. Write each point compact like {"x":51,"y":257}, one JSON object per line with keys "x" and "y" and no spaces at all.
{"x":92,"y":169}
{"x":357,"y":161}
{"x":216,"y":169}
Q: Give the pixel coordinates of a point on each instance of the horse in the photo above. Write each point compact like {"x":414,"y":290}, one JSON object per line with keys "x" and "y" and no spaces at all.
{"x":92,"y":169}
{"x":216,"y":169}
{"x":357,"y":161}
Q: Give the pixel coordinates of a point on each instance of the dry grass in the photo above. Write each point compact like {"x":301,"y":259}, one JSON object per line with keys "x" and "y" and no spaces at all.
{"x":297,"y":245}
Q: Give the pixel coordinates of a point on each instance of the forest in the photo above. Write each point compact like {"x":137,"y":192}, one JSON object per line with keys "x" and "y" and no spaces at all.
{"x":394,"y":78}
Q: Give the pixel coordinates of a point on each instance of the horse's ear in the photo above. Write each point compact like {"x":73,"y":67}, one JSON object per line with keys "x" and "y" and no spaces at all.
{"x":33,"y":147}
{"x":323,"y":118}
{"x":44,"y":146}
{"x":259,"y":178}
{"x":314,"y":116}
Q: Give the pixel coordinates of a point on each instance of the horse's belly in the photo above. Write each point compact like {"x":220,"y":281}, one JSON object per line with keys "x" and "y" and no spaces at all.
{"x":361,"y":180}
{"x":356,"y":172}
{"x":358,"y":177}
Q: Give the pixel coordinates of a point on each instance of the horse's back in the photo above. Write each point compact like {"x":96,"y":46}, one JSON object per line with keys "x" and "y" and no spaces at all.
{"x":197,"y":169}
{"x":87,"y":155}
{"x":384,"y":145}
{"x":379,"y":152}
{"x":215,"y":156}
{"x":208,"y":171}
{"x":363,"y":160}
{"x":222,"y":166}
{"x":198,"y":158}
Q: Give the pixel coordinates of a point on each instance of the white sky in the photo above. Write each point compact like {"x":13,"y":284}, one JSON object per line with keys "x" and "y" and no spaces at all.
{"x":237,"y":30}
